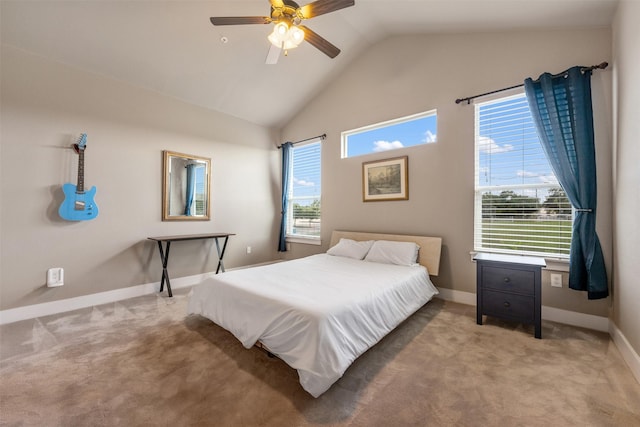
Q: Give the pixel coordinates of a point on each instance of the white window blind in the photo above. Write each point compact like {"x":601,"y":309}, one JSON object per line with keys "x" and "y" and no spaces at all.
{"x":519,"y":205}
{"x":304,"y":213}
{"x":200,"y":196}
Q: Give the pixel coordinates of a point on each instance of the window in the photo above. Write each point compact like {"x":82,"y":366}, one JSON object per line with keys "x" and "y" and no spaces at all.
{"x":200,"y":195}
{"x":303,"y":220}
{"x":519,"y":205}
{"x":390,"y":135}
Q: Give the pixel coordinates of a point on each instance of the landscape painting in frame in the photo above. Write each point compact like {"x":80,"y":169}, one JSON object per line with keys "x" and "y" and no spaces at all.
{"x":385,"y":180}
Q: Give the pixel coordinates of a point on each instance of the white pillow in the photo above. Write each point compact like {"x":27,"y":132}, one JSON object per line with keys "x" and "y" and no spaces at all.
{"x":388,"y":252}
{"x":350,"y":248}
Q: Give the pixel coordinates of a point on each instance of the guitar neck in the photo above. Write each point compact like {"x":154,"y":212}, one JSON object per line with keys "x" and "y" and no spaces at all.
{"x":80,"y":186}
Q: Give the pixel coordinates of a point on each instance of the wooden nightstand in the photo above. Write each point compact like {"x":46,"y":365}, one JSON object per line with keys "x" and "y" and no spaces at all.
{"x":509,"y":287}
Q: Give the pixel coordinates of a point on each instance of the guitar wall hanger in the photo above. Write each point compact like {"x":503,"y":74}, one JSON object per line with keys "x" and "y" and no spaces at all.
{"x":78,"y":204}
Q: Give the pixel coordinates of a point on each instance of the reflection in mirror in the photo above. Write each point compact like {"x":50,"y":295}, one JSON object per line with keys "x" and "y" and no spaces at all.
{"x":185,"y":189}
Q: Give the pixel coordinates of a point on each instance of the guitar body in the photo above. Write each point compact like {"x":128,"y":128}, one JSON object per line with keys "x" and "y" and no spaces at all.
{"x":78,"y":206}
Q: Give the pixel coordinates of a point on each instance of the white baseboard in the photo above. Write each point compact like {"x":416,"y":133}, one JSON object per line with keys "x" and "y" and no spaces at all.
{"x":70,"y":304}
{"x":628,"y":353}
{"x":582,"y":320}
{"x":573,"y":318}
{"x":54,"y":307}
{"x":457,"y":296}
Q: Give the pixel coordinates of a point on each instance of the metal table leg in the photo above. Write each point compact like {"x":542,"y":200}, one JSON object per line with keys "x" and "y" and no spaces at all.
{"x":221,"y":253}
{"x":164,"y":256}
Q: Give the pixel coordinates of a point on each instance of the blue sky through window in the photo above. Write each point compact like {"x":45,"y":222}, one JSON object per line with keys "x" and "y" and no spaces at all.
{"x":200,"y":177}
{"x":509,"y":151}
{"x":306,"y":173}
{"x":391,"y":135}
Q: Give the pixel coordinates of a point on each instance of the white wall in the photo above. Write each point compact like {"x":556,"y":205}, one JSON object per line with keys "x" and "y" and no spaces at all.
{"x":626,"y":69}
{"x":45,"y":106}
{"x":412,"y":74}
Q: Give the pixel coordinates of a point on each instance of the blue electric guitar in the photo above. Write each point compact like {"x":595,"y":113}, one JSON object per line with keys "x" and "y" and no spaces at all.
{"x":78,"y":205}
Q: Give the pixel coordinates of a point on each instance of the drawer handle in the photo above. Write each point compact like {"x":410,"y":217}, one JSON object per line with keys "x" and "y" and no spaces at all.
{"x":507,"y":304}
{"x":507,"y":280}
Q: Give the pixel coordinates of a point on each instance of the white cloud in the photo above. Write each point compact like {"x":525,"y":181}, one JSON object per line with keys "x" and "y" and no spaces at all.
{"x":547,"y":179}
{"x":526,"y":174}
{"x":386,"y":145}
{"x":430,"y":137}
{"x":489,"y":146}
{"x":303,"y":182}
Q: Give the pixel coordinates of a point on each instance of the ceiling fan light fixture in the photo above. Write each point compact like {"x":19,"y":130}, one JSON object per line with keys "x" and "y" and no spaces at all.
{"x":286,"y":37}
{"x":281,"y":29}
{"x":279,"y":34}
{"x":296,"y":35}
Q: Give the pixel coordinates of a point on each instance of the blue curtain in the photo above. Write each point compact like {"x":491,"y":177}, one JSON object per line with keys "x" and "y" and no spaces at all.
{"x":287,"y":153}
{"x":191,"y":175}
{"x":562,"y":111}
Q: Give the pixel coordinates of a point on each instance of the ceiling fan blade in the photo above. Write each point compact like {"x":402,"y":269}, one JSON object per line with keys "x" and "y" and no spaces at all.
{"x":320,"y":43}
{"x":276,"y":3}
{"x":320,"y":7}
{"x":273,"y":55}
{"x":240,"y":20}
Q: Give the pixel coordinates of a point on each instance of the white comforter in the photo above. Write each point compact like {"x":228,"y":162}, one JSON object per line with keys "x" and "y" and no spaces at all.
{"x":318,"y":313}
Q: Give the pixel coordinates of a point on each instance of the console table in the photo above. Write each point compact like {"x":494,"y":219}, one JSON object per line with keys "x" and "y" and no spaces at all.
{"x":164,"y":251}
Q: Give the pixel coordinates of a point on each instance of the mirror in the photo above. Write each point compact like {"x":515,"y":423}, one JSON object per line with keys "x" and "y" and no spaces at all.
{"x":185,"y":188}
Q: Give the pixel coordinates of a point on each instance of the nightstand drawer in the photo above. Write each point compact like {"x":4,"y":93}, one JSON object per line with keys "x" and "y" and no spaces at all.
{"x":508,"y":306}
{"x":508,"y":279}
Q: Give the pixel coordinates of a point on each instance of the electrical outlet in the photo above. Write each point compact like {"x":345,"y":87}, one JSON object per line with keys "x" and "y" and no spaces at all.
{"x":55,"y":277}
{"x":248,"y":249}
{"x":556,"y":280}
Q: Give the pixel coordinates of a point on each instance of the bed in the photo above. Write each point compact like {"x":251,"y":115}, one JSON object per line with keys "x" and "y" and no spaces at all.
{"x":319,"y":313}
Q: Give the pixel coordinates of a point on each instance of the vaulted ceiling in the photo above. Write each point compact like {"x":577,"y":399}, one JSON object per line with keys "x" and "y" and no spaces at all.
{"x":171,"y":47}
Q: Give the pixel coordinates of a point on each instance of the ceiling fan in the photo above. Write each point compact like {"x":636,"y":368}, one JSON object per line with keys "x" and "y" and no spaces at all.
{"x":287,"y":32}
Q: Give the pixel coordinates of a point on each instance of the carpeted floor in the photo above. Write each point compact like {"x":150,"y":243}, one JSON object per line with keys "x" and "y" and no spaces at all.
{"x":143,"y":362}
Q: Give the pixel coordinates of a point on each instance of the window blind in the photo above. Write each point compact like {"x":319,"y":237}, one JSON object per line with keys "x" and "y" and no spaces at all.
{"x":519,"y":205}
{"x":306,"y":190}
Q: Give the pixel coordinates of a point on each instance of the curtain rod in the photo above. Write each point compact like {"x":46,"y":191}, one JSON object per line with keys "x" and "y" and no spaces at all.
{"x":323,"y":136}
{"x":600,"y":66}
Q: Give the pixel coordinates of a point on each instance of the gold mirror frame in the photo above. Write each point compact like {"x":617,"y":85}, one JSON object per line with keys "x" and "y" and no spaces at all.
{"x":175,"y":168}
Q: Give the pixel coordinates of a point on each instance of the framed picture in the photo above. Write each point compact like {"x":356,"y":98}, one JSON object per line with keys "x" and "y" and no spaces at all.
{"x":385,"y":180}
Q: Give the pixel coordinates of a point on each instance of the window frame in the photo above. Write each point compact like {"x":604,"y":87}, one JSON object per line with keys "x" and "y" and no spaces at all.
{"x":344,"y":136}
{"x":554,"y":257}
{"x":290,"y":221}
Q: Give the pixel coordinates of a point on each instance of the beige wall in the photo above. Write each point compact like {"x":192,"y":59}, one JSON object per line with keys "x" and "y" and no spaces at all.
{"x":412,"y":74}
{"x":45,"y":105}
{"x":626,"y":69}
